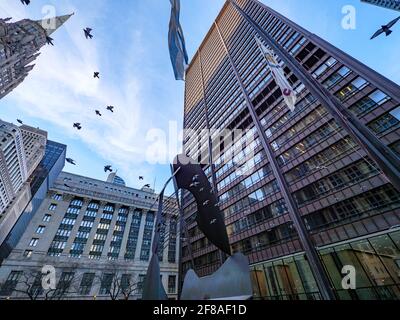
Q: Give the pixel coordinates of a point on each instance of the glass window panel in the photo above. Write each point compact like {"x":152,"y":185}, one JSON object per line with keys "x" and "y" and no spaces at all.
{"x":310,"y":286}
{"x":294,"y":276}
{"x":389,"y":255}
{"x":273,"y":286}
{"x":371,"y":263}
{"x":349,"y":256}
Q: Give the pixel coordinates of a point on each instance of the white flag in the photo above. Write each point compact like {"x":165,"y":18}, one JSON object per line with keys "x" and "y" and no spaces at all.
{"x":289,"y":94}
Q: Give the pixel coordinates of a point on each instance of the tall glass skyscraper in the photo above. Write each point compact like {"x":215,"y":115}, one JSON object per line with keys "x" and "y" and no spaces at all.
{"x":41,"y":181}
{"x":306,"y":198}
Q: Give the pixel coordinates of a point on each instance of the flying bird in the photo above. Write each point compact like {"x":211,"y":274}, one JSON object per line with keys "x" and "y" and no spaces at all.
{"x":386,"y":29}
{"x":98,"y":113}
{"x":26,"y":2}
{"x":71,"y":161}
{"x":20,"y":121}
{"x":78,"y":126}
{"x":108,"y":168}
{"x":141,"y":178}
{"x":49,"y":40}
{"x":147,"y":186}
{"x":96,"y":75}
{"x":87,"y":32}
{"x":110,"y":108}
{"x":65,"y":185}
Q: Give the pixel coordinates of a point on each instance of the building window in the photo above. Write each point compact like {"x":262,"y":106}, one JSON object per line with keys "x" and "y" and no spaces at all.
{"x":386,"y":122}
{"x":40,"y":229}
{"x":28,"y":253}
{"x":47,"y":218}
{"x":126,"y":283}
{"x":396,"y":113}
{"x":57,"y":197}
{"x":11,"y":284}
{"x":86,"y":284}
{"x":52,"y":207}
{"x":106,"y":283}
{"x":172,"y":284}
{"x":352,"y":88}
{"x":34,"y":242}
{"x":77,"y":203}
{"x":142,"y":278}
{"x":368,"y":103}
{"x":64,"y":284}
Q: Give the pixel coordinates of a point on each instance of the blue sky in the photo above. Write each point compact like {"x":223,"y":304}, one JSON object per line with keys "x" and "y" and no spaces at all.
{"x":130,"y":50}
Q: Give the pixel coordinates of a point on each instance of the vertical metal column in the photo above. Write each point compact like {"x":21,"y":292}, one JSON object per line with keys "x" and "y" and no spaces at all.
{"x":309,"y":248}
{"x":183,"y":227}
{"x":222,"y":255}
{"x":386,"y":159}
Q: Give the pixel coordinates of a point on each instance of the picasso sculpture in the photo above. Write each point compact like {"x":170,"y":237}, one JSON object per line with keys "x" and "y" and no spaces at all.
{"x":232,"y":280}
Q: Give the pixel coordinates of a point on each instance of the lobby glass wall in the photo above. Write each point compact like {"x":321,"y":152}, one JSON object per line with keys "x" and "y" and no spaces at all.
{"x":376,"y":260}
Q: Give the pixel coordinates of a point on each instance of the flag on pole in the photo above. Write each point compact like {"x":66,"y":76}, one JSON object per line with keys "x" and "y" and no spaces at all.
{"x":176,"y":42}
{"x":289,"y":94}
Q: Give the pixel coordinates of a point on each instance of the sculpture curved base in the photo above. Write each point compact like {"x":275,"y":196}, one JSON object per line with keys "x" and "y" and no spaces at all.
{"x":231,"y":282}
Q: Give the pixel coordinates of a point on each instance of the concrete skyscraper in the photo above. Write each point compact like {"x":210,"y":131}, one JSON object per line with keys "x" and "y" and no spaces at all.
{"x":94,"y":232}
{"x":20,"y":43}
{"x":21,"y":151}
{"x":306,"y":197}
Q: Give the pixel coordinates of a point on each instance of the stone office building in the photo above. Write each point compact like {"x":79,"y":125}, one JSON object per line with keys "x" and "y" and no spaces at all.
{"x":98,"y":236}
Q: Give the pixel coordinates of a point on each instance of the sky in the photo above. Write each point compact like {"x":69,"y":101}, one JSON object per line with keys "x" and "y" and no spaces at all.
{"x":130,"y":50}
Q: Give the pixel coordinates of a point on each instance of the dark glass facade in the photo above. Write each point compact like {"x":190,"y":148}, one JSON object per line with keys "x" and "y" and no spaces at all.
{"x":42,"y":180}
{"x":349,"y":207}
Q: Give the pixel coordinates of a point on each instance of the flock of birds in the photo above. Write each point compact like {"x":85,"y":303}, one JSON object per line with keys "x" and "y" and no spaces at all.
{"x":88,"y":35}
{"x":386,"y":29}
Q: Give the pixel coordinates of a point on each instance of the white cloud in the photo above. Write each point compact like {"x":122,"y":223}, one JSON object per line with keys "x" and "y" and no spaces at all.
{"x":61,"y":90}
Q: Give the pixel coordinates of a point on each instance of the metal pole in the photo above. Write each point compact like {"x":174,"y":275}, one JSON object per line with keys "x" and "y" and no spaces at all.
{"x":222,"y":255}
{"x":386,"y":159}
{"x":183,"y":227}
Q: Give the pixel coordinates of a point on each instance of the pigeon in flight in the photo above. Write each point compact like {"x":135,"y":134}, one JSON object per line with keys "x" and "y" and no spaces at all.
{"x":49,"y":40}
{"x":386,"y":29}
{"x":67,"y":186}
{"x":78,"y":126}
{"x":71,"y":161}
{"x":141,"y":178}
{"x":88,"y":34}
{"x":146,"y":186}
{"x":110,"y":108}
{"x":98,"y":113}
{"x":20,"y":121}
{"x":108,"y":168}
{"x":26,"y":2}
{"x":96,"y":75}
